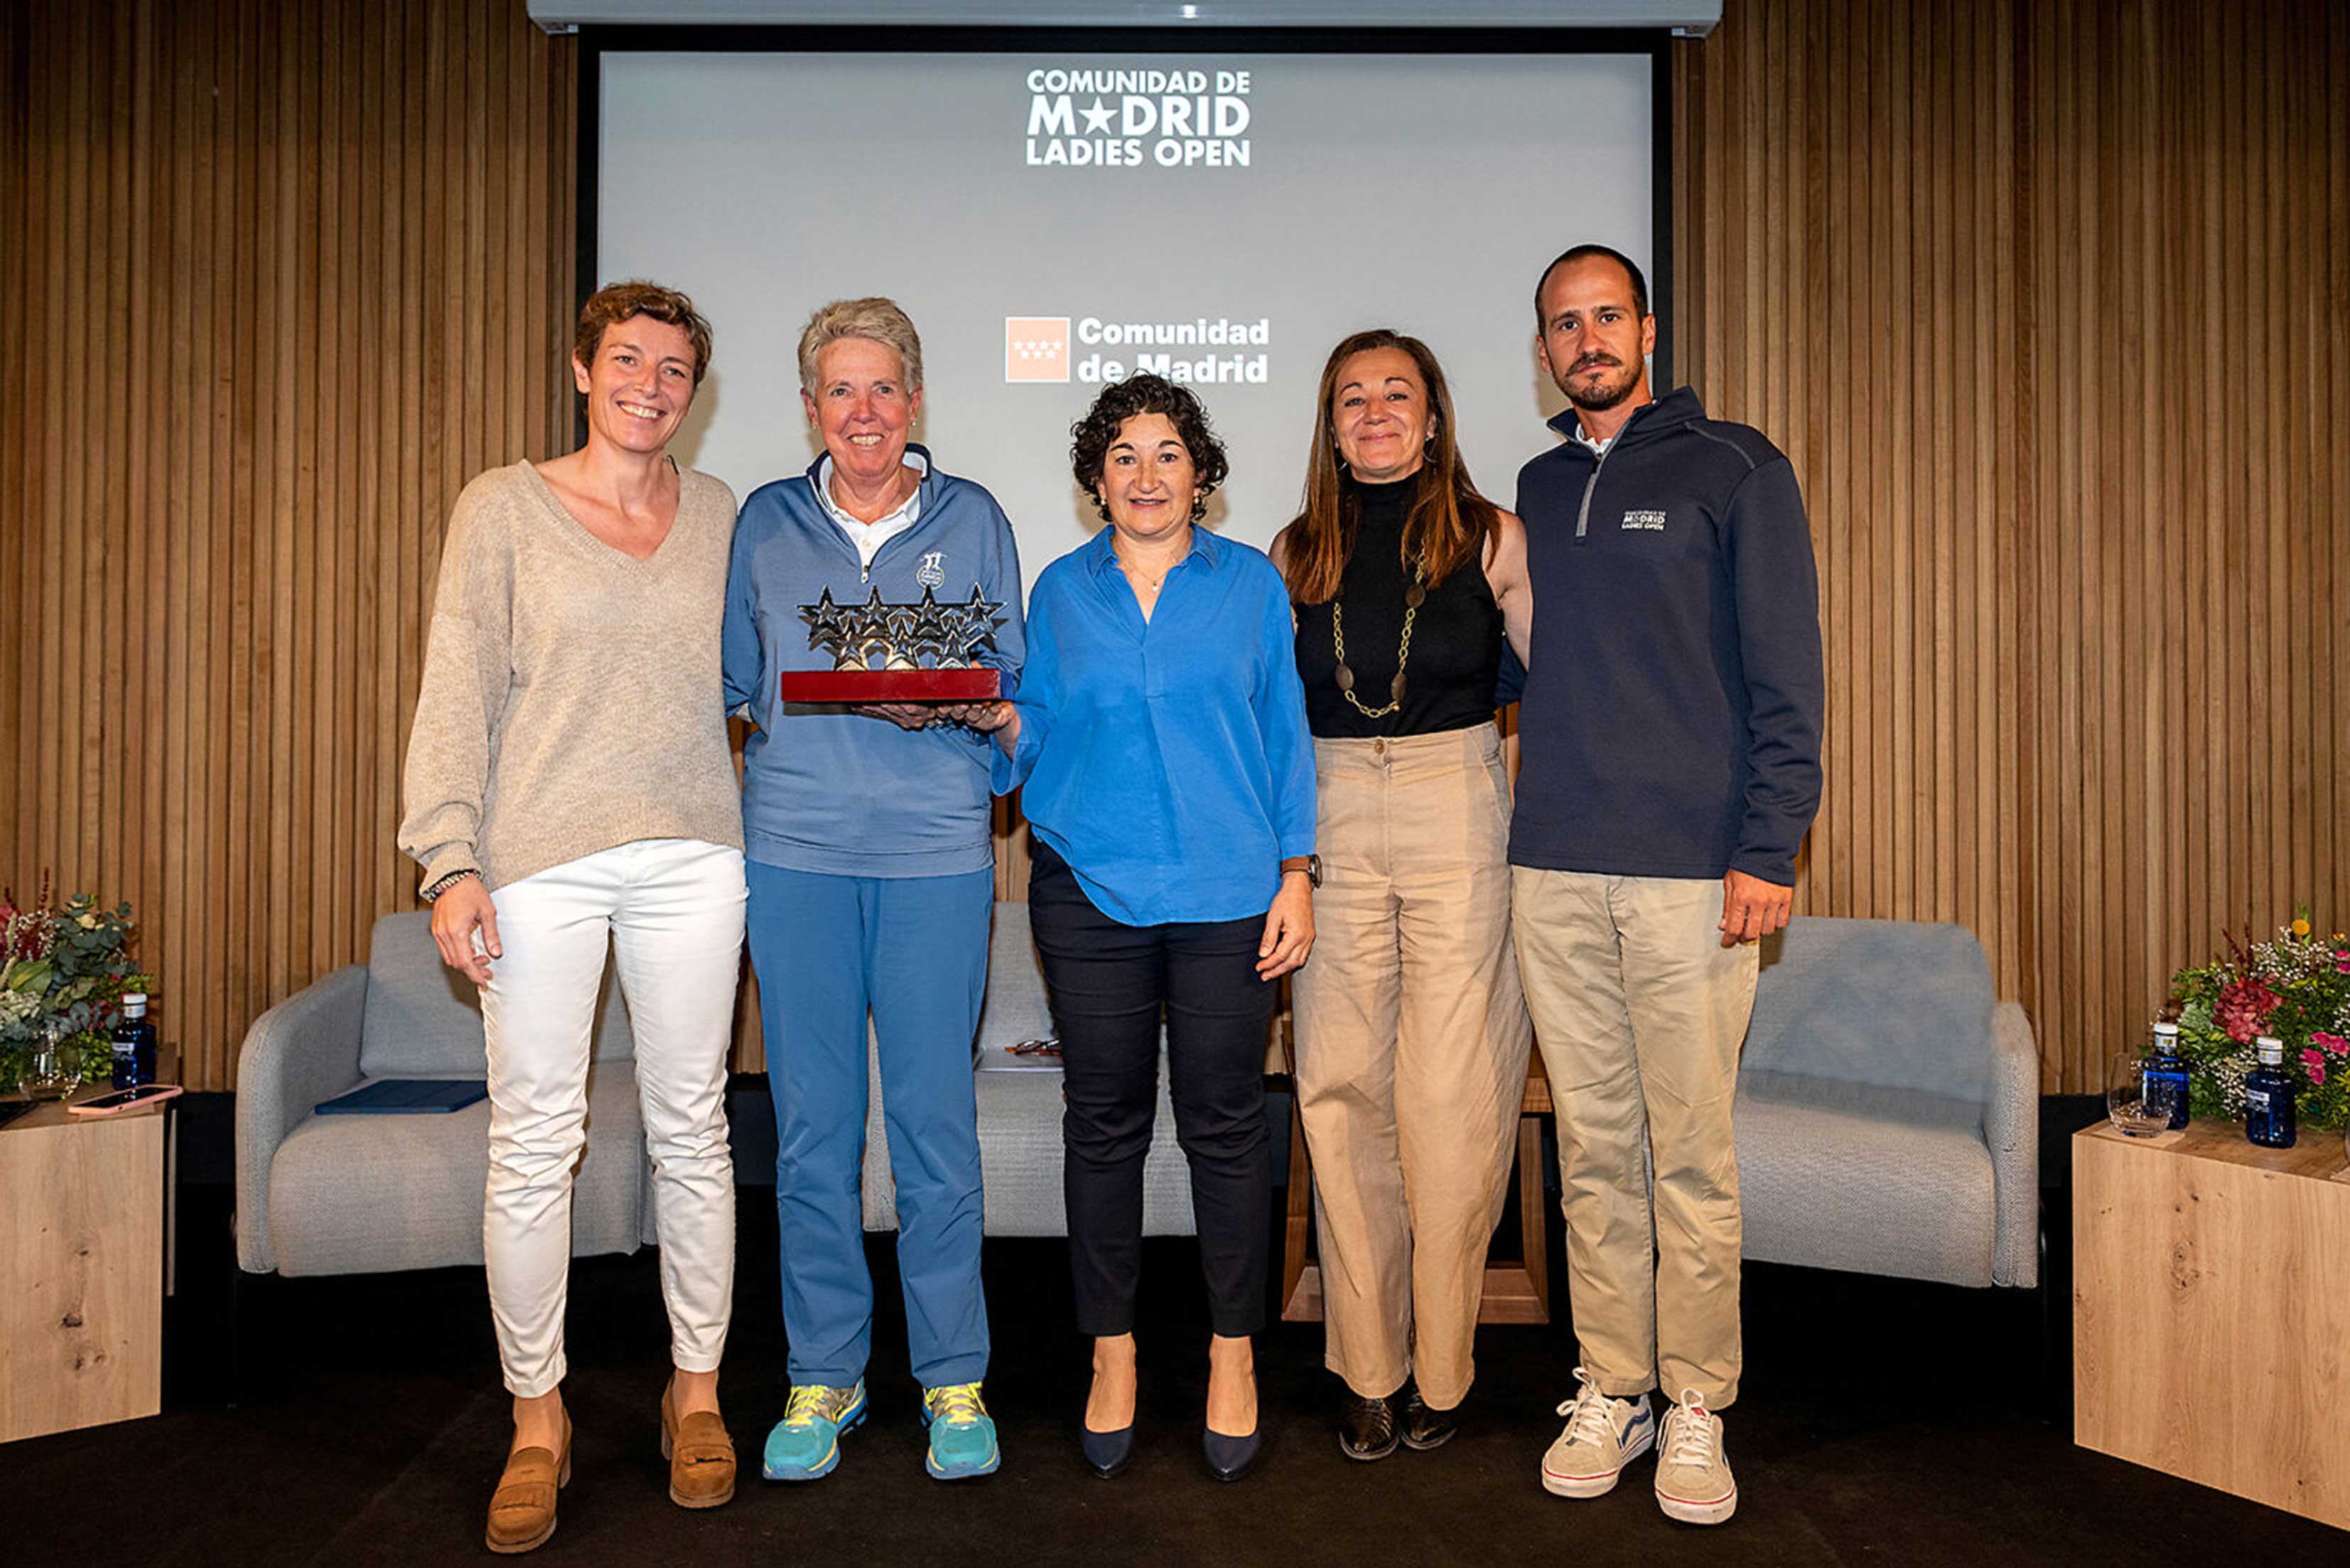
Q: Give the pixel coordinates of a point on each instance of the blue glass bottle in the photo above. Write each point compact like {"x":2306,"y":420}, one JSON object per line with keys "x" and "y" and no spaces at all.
{"x":2268,"y":1097}
{"x":2164,"y":1066}
{"x":134,"y":1043}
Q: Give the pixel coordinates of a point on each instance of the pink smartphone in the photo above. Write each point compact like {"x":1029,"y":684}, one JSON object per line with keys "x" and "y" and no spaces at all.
{"x":124,"y":1100}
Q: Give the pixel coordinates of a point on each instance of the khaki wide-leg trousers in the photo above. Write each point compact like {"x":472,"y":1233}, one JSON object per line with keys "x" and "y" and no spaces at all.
{"x":1641,"y":1013}
{"x":1411,"y":1051}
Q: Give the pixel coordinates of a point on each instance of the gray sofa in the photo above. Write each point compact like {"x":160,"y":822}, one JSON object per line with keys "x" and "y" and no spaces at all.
{"x":1889,"y":1107}
{"x":1886,"y":1114}
{"x":339,"y":1195}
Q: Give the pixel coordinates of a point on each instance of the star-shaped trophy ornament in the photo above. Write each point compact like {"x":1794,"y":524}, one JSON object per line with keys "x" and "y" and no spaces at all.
{"x":922,"y":652}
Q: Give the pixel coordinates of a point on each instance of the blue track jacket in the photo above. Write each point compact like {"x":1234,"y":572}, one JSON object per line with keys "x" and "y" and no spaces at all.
{"x":840,"y":793}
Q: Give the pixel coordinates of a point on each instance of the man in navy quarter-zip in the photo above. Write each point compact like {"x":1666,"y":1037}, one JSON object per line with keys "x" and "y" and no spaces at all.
{"x":1670,"y":736}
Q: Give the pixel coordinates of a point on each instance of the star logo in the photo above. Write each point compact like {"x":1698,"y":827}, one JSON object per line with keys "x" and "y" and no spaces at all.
{"x":1035,"y":349}
{"x":1097,"y":119}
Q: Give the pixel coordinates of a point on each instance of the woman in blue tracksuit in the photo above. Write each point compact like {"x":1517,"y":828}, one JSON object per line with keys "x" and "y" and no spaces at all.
{"x":871,"y":879}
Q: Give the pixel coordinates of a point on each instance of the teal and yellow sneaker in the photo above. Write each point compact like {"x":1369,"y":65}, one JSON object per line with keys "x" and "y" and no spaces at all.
{"x":963,"y":1437}
{"x":806,"y":1443}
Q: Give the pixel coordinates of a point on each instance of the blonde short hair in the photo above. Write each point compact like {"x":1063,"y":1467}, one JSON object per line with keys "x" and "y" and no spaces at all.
{"x":875,"y":318}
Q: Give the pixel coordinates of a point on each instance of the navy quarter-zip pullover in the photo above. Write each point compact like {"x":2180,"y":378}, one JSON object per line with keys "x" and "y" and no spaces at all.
{"x":1670,"y":725}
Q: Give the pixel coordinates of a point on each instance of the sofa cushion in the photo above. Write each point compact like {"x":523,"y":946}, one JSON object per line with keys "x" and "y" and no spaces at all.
{"x":1020,"y":1113}
{"x":1836,"y":1175}
{"x":368,"y":1194}
{"x":1020,"y":1157}
{"x":424,"y":1020}
{"x":1896,"y":1004}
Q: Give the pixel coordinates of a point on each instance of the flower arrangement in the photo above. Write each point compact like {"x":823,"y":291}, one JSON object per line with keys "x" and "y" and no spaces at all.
{"x":2296,"y":988}
{"x":65,"y":965}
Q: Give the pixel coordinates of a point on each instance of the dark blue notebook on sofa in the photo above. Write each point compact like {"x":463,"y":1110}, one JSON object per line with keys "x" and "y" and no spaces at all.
{"x":407,"y":1096}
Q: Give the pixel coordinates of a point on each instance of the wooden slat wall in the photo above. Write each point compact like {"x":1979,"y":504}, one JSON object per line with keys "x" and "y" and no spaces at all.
{"x":2047,"y":300}
{"x":279,"y":278}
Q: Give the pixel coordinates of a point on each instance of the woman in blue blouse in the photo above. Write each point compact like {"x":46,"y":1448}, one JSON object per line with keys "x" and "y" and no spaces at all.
{"x":1160,"y":731}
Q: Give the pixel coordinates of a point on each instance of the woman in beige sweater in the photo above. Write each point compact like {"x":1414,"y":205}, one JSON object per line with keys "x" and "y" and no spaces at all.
{"x":568,"y":784}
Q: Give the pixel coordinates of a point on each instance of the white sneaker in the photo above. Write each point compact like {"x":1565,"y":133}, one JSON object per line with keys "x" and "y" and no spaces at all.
{"x":1693,"y":1482}
{"x":1602,"y":1436}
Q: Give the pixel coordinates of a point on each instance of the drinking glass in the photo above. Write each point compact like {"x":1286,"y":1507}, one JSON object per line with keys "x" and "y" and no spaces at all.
{"x":2139,"y":1106}
{"x":50,"y":1071}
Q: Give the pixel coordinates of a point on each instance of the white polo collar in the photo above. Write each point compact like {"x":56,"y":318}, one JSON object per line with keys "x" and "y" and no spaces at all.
{"x":869,"y":537}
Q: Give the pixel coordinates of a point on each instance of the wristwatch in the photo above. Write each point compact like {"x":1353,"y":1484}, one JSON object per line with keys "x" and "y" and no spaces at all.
{"x":441,"y":885}
{"x":1309,"y":864}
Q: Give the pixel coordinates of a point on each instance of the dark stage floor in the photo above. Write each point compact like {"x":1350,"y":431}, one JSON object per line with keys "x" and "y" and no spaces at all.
{"x":1881,"y":1421}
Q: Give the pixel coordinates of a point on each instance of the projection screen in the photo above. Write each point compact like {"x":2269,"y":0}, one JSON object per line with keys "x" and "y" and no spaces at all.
{"x":1054,"y":218}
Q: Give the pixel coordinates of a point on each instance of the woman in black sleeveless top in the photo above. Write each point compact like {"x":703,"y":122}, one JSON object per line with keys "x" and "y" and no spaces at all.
{"x":1411,"y":1030}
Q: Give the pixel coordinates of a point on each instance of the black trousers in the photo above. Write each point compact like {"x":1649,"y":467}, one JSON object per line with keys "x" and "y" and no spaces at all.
{"x":1109,"y":982}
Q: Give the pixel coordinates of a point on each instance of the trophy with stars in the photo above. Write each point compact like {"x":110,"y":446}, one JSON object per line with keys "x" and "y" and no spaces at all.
{"x":922,"y":652}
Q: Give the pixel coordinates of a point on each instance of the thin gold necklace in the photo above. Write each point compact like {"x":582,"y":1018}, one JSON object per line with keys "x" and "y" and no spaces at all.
{"x":1132,"y":575}
{"x":1414,"y":598}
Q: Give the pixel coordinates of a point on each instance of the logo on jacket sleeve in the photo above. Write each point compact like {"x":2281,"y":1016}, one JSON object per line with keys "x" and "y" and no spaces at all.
{"x":1645,"y":521}
{"x":932,"y":572}
{"x":1035,"y":349}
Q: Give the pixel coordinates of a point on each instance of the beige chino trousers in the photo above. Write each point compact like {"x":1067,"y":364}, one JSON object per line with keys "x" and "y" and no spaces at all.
{"x":1641,"y":1013}
{"x":1411,"y":1051}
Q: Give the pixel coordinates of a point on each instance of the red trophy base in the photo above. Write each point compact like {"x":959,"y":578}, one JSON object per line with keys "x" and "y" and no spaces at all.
{"x":862,"y":686}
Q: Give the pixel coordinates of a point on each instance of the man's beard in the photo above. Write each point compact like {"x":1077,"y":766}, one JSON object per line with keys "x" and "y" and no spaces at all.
{"x":1599,"y":397}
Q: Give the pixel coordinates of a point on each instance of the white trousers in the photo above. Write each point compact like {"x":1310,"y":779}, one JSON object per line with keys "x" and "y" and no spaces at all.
{"x":671,"y":911}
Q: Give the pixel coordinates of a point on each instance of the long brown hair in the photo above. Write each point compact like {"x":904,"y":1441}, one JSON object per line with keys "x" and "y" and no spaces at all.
{"x":1447,"y":520}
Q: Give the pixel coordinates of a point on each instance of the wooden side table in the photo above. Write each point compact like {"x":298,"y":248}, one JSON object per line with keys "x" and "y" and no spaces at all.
{"x":2210,"y":1309}
{"x":82,"y":1263}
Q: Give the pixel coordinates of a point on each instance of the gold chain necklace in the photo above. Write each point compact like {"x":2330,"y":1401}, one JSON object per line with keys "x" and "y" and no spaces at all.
{"x":1414,"y":598}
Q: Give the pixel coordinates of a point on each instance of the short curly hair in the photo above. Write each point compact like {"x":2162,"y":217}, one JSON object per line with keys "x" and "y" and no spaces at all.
{"x":617,"y":302}
{"x":1090,"y":437}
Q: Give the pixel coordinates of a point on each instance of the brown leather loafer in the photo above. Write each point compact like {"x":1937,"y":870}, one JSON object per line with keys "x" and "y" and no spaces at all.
{"x":522,"y":1511}
{"x":701,"y":1456}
